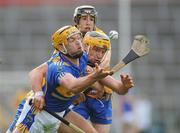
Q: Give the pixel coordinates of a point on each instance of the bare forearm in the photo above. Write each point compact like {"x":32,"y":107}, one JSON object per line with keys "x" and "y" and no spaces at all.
{"x":79,"y":84}
{"x":114,"y":84}
{"x":36,"y":77}
{"x":35,"y":81}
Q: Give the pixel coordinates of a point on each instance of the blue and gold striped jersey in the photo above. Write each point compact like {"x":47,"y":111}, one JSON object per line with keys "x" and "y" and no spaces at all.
{"x":58,"y":98}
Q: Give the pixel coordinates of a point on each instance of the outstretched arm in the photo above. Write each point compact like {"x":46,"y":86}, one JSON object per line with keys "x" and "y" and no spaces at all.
{"x":77,"y":85}
{"x":119,"y":86}
{"x":36,"y":79}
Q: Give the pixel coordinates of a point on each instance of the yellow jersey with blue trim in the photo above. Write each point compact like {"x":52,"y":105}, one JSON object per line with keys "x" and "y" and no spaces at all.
{"x":58,"y":98}
{"x":99,"y":30}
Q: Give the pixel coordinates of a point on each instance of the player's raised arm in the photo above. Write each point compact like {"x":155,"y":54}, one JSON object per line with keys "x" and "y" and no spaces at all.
{"x":36,"y":78}
{"x":77,"y":85}
{"x":119,"y":86}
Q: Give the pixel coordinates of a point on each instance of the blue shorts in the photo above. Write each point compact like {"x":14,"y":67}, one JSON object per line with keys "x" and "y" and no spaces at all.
{"x":97,"y":110}
{"x":18,"y":113}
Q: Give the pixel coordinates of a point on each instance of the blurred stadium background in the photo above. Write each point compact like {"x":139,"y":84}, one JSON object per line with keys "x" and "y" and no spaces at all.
{"x":25,"y":42}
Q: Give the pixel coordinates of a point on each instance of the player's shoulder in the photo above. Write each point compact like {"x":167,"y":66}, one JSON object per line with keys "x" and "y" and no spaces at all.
{"x":55,"y":61}
{"x":59,"y":67}
{"x":58,"y":63}
{"x":55,"y":65}
{"x":99,"y":30}
{"x":54,"y":58}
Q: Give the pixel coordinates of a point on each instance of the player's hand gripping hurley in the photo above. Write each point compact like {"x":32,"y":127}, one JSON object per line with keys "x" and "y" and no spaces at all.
{"x":139,"y":48}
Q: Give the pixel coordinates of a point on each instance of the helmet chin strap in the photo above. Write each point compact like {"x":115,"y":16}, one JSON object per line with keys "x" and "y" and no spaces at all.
{"x":76,"y":55}
{"x":90,"y":64}
{"x":65,"y":50}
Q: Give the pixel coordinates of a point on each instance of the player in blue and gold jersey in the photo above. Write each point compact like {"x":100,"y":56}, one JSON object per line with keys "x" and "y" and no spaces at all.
{"x":97,"y":106}
{"x":65,"y":78}
{"x":85,"y":18}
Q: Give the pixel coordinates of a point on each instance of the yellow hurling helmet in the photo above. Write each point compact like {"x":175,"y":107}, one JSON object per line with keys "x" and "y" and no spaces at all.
{"x":61,"y":37}
{"x":98,"y":39}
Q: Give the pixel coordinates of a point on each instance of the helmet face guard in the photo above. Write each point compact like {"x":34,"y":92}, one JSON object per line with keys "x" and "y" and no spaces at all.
{"x":60,"y":37}
{"x":83,"y":11}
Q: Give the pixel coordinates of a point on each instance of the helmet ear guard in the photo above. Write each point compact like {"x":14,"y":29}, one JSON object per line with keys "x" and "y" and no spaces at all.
{"x":84,"y":10}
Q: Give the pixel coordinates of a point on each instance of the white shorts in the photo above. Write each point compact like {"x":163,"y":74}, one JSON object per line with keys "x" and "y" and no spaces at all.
{"x":33,"y":121}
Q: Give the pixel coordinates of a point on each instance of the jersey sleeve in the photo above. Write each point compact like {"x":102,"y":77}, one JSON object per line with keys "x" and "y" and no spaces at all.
{"x":56,"y":72}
